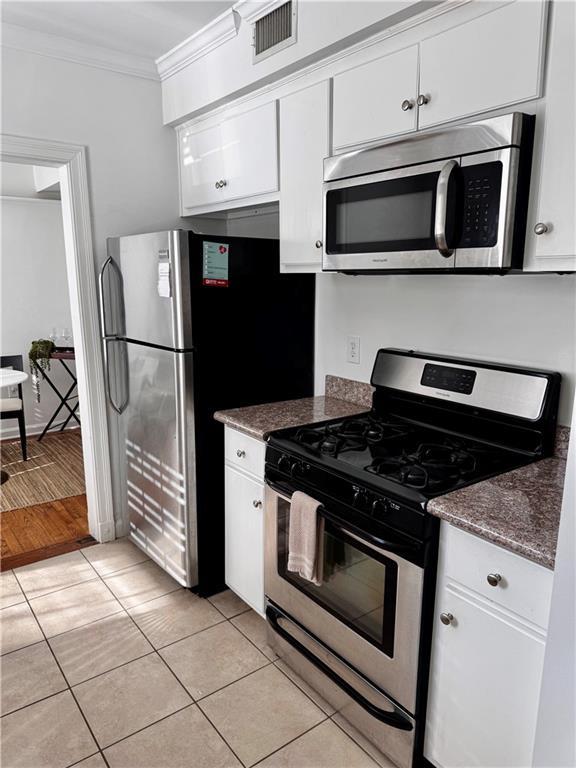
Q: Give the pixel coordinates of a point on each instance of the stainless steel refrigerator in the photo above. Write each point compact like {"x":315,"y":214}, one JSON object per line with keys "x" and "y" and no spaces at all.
{"x":192,"y":324}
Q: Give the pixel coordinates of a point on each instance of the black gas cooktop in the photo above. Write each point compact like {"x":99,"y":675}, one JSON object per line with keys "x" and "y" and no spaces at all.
{"x":410,"y":456}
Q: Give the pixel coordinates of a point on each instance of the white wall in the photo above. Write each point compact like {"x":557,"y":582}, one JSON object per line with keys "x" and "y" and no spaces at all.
{"x":555,"y":745}
{"x":34,"y":295}
{"x":519,"y":319}
{"x":133,"y":178}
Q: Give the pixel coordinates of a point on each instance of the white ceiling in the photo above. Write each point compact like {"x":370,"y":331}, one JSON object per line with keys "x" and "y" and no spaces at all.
{"x":146,"y":29}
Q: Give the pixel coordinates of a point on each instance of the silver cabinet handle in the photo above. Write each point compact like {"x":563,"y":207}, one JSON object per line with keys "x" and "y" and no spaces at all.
{"x":422,"y":99}
{"x":407,"y":105}
{"x":446,"y":618}
{"x":318,"y":243}
{"x":217,"y":185}
{"x":240,"y":453}
{"x":221,"y":183}
{"x":256,"y":503}
{"x":493,"y":579}
{"x":540,"y":228}
{"x":442,"y":208}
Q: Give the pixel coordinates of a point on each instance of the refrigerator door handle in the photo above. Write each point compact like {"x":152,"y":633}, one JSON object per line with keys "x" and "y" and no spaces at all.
{"x":110,"y":264}
{"x":119,"y":408}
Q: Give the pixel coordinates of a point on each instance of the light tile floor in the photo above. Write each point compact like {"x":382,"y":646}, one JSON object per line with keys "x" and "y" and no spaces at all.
{"x":106,"y":661}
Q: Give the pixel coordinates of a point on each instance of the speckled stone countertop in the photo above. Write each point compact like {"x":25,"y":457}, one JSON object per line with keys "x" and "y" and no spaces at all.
{"x":344,"y":397}
{"x":259,"y":420}
{"x":519,"y":510}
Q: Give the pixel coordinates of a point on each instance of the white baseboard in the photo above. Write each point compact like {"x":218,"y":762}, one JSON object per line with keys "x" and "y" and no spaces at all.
{"x":12,"y":432}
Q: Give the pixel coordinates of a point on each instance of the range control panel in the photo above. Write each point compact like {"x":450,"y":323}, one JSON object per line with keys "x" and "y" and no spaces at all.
{"x":482,"y":184}
{"x":450,"y":379}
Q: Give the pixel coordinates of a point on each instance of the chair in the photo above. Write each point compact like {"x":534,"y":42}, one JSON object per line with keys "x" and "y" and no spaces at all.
{"x":13,"y":407}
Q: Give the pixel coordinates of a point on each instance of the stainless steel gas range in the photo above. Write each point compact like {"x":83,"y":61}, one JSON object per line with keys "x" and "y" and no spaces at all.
{"x":362,"y":637}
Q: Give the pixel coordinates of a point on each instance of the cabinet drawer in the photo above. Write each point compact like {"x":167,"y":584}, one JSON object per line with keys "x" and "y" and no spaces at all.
{"x":525,"y":587}
{"x":244,"y":452}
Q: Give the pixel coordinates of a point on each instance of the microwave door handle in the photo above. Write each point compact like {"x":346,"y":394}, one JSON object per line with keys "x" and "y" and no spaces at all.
{"x":442,"y":208}
{"x":394,"y":719}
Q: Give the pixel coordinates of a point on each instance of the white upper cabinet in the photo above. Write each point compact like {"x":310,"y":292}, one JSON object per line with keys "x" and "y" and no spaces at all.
{"x":304,"y":131}
{"x":376,"y":99}
{"x":235,"y":159}
{"x":551,"y":233}
{"x":486,"y":63}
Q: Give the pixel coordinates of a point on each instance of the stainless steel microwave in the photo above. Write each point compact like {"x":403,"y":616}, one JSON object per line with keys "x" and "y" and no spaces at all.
{"x":453,"y":199}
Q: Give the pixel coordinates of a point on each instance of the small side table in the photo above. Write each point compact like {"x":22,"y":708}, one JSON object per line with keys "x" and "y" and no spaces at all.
{"x":62,"y":355}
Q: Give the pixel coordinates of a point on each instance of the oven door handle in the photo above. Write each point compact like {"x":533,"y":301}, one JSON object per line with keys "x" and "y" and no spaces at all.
{"x":393,"y":719}
{"x":389,"y":546}
{"x":441,"y":214}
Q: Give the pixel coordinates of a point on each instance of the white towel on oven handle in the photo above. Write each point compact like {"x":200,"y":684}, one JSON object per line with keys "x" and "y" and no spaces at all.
{"x":306,"y":538}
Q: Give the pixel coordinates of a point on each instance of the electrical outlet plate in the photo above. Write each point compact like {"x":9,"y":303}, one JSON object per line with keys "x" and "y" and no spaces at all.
{"x":353,"y":349}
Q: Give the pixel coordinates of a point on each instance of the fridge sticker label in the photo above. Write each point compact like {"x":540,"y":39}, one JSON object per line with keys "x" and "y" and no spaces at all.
{"x":215,"y":264}
{"x":164,"y":280}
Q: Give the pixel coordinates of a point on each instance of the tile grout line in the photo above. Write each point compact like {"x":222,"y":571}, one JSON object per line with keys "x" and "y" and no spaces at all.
{"x":63,"y":675}
{"x":308,"y":730}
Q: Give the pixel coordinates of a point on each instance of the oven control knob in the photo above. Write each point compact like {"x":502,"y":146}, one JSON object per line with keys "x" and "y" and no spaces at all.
{"x":297,"y":469}
{"x":380,"y":507}
{"x":284,"y":464}
{"x":360,"y":498}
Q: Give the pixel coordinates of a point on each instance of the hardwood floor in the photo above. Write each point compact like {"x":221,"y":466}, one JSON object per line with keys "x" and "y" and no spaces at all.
{"x":44,"y":530}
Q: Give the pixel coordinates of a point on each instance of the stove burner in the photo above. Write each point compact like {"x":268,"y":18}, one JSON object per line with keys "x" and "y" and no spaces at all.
{"x":430,"y":466}
{"x":355,"y":434}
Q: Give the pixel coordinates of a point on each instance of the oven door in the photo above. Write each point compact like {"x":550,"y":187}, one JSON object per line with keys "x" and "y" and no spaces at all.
{"x":395,"y":220}
{"x":366,"y":610}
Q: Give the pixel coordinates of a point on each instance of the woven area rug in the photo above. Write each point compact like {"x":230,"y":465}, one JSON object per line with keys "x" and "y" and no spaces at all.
{"x":54,"y":470}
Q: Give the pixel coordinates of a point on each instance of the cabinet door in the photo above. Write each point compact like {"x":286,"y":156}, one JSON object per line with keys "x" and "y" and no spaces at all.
{"x":368,"y":99}
{"x":304,"y":128}
{"x":200,"y":166}
{"x":486,"y":63}
{"x":250,"y":153}
{"x":553,"y":181}
{"x":485,"y":676}
{"x":244,"y":538}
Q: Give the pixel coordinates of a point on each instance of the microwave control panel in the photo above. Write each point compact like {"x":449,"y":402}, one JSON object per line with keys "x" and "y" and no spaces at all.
{"x":481,"y":189}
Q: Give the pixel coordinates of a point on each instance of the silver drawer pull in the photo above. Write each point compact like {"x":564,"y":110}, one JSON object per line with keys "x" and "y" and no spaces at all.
{"x":540,"y":228}
{"x":240,"y":453}
{"x":422,"y":99}
{"x":257,"y":503}
{"x":406,"y":105}
{"x":493,"y":579}
{"x":446,"y":618}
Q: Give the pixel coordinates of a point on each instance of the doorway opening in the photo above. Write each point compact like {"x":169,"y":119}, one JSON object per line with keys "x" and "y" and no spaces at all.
{"x":56,"y":491}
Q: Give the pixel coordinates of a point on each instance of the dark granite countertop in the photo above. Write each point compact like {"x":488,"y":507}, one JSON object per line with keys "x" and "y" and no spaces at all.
{"x":259,"y":420}
{"x":519,"y":510}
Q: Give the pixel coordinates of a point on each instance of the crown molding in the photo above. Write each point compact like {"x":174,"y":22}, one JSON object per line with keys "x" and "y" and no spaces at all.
{"x":219,"y":31}
{"x":66,"y":49}
{"x":251,"y":10}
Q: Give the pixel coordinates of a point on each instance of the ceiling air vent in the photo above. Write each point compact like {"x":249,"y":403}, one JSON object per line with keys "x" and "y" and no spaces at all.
{"x":275,"y":31}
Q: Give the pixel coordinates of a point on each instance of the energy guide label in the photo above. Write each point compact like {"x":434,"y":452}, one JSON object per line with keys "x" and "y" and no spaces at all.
{"x":215,"y":264}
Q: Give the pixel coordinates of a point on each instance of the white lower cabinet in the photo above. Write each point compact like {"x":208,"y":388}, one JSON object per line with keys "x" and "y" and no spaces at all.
{"x":244,"y":534}
{"x":487,"y":659}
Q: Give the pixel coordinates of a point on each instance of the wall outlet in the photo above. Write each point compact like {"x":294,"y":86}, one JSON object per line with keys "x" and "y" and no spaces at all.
{"x":353,"y":349}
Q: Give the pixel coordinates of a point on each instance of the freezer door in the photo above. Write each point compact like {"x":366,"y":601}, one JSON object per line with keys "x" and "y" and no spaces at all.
{"x":160,"y":459}
{"x":156,"y":287}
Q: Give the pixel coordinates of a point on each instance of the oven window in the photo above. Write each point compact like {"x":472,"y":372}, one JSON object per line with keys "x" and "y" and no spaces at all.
{"x":394,"y":215}
{"x":358,"y":584}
